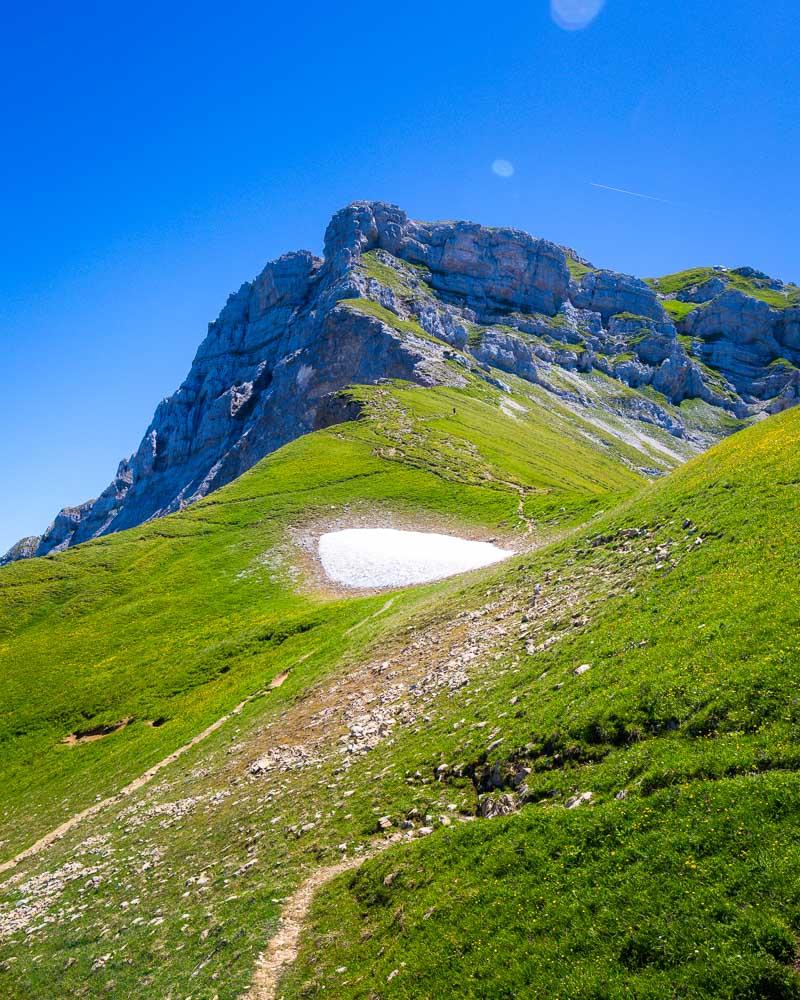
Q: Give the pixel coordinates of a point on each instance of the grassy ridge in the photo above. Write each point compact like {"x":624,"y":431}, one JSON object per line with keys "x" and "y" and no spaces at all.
{"x":669,"y":284}
{"x":686,"y":887}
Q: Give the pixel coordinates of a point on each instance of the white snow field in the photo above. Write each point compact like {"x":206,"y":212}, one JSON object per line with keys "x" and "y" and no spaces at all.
{"x":387,"y":557}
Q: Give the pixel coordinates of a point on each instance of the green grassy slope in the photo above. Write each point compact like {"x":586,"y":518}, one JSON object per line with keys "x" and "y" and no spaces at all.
{"x":692,"y":893}
{"x":176,"y":621}
{"x":687,"y":885}
{"x":685,"y":888}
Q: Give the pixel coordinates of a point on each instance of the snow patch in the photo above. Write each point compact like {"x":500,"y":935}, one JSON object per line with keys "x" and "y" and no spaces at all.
{"x":388,"y":557}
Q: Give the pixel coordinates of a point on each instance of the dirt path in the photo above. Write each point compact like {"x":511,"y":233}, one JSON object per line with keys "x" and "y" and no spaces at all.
{"x":369,"y":618}
{"x":129,"y":789}
{"x":282,"y":947}
{"x":529,"y":524}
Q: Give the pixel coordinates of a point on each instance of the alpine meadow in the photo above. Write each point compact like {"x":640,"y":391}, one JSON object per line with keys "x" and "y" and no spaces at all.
{"x":573,"y":773}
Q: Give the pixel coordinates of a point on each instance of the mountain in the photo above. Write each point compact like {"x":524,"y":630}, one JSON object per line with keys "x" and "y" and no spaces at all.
{"x":703,"y":351}
{"x":574,"y":773}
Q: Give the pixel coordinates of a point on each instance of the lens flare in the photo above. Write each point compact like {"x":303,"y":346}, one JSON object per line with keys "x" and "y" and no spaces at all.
{"x":572,"y":15}
{"x":503,"y":168}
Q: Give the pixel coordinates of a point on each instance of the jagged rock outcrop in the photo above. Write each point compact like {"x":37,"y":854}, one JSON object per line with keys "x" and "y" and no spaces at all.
{"x":60,"y":533}
{"x":741,"y":337}
{"x":431,"y":303}
{"x":478,"y":266}
{"x":499,"y":350}
{"x":281,"y":347}
{"x":662,"y":362}
{"x":25,"y":548}
{"x":703,"y":292}
{"x":608,"y":293}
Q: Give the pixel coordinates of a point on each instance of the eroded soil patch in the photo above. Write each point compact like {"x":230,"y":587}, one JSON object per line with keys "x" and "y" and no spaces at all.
{"x":96,"y":732}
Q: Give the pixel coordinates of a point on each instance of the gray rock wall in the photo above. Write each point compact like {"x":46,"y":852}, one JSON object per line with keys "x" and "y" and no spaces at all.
{"x":286,"y":343}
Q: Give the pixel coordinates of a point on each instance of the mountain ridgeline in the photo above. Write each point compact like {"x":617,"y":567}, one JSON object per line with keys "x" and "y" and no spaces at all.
{"x":694,"y":355}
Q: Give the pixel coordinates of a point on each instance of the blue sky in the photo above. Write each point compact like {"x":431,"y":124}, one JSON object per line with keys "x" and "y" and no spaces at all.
{"x":156,"y":155}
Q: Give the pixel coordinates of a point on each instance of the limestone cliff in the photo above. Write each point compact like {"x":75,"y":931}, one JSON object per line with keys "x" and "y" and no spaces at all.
{"x":431,"y":303}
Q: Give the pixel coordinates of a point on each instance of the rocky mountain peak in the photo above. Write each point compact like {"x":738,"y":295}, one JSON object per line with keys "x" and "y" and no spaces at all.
{"x":505,"y":267}
{"x":439,"y":303}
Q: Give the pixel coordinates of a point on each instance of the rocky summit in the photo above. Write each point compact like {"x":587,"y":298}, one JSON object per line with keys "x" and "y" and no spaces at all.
{"x":700,"y":353}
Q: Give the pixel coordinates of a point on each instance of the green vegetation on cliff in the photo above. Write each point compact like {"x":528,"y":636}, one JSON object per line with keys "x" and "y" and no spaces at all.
{"x":671,"y":284}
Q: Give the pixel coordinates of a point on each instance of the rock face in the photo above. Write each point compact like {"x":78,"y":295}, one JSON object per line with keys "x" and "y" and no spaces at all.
{"x":267,"y":372}
{"x":283,"y":347}
{"x":23,"y":549}
{"x":502,"y":268}
{"x":742,"y":338}
{"x":609,"y":294}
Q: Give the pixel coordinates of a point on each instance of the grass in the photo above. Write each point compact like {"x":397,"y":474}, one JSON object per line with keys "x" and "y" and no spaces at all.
{"x":370,"y":308}
{"x":181,"y":619}
{"x":396,"y":278}
{"x":576,"y":269}
{"x":475,"y":334}
{"x":678,"y":310}
{"x":629,"y":316}
{"x":670,"y":284}
{"x":561,"y":345}
{"x":698,"y":414}
{"x":689,"y":886}
{"x":776,"y":299}
{"x":653,"y":394}
{"x":563,"y":905}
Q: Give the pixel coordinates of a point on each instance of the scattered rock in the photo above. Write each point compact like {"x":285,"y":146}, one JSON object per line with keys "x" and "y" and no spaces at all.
{"x":579,"y":800}
{"x":494,"y":805}
{"x":282,"y":758}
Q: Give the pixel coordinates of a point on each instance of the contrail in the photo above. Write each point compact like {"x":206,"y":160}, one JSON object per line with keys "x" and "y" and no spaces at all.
{"x":634,"y":194}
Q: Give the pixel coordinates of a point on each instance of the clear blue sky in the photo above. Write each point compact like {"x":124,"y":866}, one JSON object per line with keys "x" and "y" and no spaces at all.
{"x":156,"y":155}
